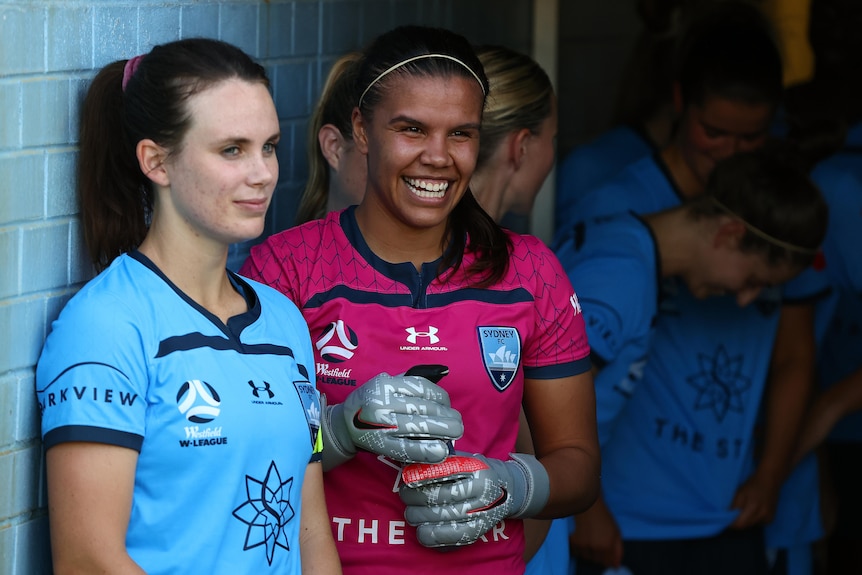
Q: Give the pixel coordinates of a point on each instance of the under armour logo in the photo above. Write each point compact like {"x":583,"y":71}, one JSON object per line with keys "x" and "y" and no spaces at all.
{"x":257,"y":389}
{"x":431,"y":334}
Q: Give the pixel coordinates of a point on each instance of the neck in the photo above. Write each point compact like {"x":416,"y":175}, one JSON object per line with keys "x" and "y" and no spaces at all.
{"x":396,"y":242}
{"x":489,"y":187}
{"x":678,"y":239}
{"x":198,"y":270}
{"x":684,"y":178}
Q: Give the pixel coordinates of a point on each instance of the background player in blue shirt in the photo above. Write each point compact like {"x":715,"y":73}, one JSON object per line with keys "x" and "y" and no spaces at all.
{"x":179,"y":411}
{"x":618,"y":262}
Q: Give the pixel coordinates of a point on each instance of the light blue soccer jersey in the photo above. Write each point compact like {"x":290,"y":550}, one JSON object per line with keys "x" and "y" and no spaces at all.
{"x":224,"y":417}
{"x":685,"y":443}
{"x":840,"y":179}
{"x":613,"y":264}
{"x":591,"y":164}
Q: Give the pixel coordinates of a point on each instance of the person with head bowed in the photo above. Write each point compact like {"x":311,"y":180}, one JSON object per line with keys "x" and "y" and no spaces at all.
{"x":760,"y":222}
{"x":179,"y":410}
{"x":416,"y":276}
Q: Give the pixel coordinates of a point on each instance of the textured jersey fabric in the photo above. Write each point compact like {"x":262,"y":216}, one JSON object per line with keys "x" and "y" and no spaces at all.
{"x":367,"y":316}
{"x":225,"y":417}
{"x":614,"y":267}
{"x":685,"y":443}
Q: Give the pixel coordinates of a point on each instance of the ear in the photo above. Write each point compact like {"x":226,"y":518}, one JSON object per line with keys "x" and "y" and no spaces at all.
{"x":360,"y":137}
{"x":151,"y":159}
{"x":729,"y":233}
{"x":518,"y":142}
{"x":331,"y":144}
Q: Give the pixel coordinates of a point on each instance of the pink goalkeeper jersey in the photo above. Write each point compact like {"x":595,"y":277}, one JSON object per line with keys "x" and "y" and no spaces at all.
{"x":368,"y":316}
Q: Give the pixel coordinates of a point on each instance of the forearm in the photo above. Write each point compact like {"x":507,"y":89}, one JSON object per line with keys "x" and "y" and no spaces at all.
{"x":316,"y":546}
{"x":788,"y":392}
{"x":574,"y":478}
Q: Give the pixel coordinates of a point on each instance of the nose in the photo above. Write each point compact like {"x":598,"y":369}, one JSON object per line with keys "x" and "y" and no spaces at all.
{"x":747,"y":295}
{"x":263,"y":170}
{"x":436,"y":151}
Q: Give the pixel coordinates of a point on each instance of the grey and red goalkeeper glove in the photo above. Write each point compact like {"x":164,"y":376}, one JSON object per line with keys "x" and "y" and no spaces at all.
{"x":455,"y":502}
{"x":407,"y":418}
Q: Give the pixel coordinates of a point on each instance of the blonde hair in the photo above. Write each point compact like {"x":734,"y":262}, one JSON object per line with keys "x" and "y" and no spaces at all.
{"x":335,"y":106}
{"x":520,"y":96}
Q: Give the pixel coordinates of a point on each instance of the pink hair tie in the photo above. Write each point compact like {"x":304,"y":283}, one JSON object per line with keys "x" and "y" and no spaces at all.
{"x":130,"y":68}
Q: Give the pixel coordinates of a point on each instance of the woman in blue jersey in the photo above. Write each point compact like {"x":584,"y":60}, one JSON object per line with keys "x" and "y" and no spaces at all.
{"x":418,"y":273}
{"x":178,"y":405}
{"x":759,"y":224}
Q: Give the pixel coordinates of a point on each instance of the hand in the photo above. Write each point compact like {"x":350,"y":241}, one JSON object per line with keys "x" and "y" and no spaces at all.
{"x":406,"y":418}
{"x":756,"y":500}
{"x":596,"y":537}
{"x":455,"y":502}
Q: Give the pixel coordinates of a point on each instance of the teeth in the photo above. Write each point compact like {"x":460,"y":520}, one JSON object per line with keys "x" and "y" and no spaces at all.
{"x":425,"y":189}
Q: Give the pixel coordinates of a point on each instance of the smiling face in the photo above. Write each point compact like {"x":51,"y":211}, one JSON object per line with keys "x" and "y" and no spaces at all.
{"x":221,"y":179}
{"x":719,"y":128}
{"x":421,"y":144}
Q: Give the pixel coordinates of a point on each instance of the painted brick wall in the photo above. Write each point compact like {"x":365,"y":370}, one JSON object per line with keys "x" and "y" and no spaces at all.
{"x":49,"y":50}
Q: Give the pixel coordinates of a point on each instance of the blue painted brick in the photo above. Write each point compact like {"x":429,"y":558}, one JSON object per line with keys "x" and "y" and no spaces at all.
{"x":32,"y":547}
{"x":292,"y":82}
{"x":45,"y":253}
{"x":339,"y":29}
{"x":80,"y":267}
{"x":239,"y":24}
{"x":22,"y":341}
{"x":8,"y":410}
{"x":22,"y":41}
{"x":199,"y":21}
{"x":28,"y":420}
{"x":22,"y":179}
{"x":9,"y":262}
{"x":116,"y":34}
{"x":22,"y":493}
{"x":278,"y":40}
{"x":70,"y":41}
{"x":10,"y":116}
{"x":46,"y":112}
{"x":60,"y":185}
{"x":157,"y":25}
{"x":306,"y":28}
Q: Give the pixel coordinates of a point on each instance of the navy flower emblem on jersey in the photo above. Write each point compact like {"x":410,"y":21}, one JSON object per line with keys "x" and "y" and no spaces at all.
{"x":501,"y":353}
{"x":720,"y":383}
{"x":267,"y":511}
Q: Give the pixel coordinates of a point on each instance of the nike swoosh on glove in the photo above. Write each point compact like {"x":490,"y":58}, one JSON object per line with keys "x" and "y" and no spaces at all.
{"x":455,"y":502}
{"x":407,"y":418}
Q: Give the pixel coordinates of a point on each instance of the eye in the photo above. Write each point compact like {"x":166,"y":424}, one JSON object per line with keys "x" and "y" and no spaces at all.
{"x":463,"y":135}
{"x":269,"y":148}
{"x":231,"y":151}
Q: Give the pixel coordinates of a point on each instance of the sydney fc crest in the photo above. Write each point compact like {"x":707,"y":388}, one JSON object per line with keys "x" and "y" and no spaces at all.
{"x":501,"y":353}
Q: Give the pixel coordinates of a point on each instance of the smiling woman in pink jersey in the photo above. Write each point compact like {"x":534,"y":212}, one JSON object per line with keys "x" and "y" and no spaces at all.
{"x":419,"y":274}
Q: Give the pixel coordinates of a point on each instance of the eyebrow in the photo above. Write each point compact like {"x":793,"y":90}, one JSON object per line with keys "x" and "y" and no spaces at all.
{"x":408,"y":120}
{"x":245,"y":141}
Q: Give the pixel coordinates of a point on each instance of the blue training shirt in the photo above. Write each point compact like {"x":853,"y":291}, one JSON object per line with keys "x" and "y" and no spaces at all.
{"x":225,"y":417}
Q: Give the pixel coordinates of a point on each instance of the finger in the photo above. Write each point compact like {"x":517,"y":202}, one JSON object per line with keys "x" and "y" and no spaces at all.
{"x":413,"y":386}
{"x":447,"y":425}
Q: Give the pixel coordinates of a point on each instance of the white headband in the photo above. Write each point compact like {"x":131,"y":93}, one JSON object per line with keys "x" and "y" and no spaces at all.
{"x":763,"y":235}
{"x":421,"y":57}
